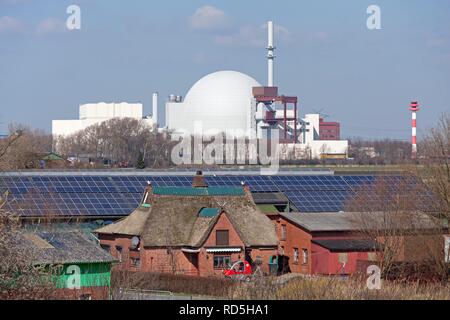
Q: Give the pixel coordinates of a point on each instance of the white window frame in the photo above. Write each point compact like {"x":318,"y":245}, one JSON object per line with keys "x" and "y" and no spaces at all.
{"x":305,"y":256}
{"x":283,"y":232}
{"x":296,"y":255}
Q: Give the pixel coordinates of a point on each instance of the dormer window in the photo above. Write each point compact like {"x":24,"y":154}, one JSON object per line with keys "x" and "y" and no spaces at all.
{"x":208,"y":212}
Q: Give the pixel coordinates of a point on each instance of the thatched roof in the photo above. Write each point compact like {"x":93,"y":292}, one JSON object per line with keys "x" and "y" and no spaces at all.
{"x":174,"y":220}
{"x":61,"y":247}
{"x":131,"y":225}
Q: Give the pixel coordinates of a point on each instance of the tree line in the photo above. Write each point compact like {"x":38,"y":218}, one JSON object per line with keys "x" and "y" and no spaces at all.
{"x":119,"y":141}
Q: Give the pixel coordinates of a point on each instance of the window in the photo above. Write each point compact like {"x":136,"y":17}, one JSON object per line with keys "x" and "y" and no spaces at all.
{"x":222,"y":238}
{"x":239,"y":266}
{"x":106,"y":247}
{"x":221,"y":262}
{"x":283,"y":232}
{"x":119,"y":253}
{"x":305,"y":256}
{"x":343,"y":257}
{"x":135,"y":262}
{"x":295,"y":255}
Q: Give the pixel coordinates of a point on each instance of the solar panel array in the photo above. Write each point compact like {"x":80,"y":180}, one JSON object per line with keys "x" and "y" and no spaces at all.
{"x":118,"y":195}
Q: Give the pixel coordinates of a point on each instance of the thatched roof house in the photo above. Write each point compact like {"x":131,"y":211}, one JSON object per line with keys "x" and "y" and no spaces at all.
{"x":171,"y":217}
{"x":186,"y":217}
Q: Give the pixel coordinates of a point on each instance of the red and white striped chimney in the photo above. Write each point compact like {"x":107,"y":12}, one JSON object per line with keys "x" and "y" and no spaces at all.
{"x":414,"y":107}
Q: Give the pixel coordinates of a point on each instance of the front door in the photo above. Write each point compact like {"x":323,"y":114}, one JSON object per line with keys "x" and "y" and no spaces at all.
{"x":193,"y":259}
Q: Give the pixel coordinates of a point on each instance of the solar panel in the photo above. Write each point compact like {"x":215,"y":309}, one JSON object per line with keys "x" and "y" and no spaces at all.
{"x":318,"y":201}
{"x":81,"y":195}
{"x":330,"y":183}
{"x":255,"y":183}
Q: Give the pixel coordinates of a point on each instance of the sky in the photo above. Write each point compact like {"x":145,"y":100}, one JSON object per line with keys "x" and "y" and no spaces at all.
{"x":326,"y":55}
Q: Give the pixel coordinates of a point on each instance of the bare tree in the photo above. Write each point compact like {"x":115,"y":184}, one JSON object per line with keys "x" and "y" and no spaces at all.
{"x":23,"y":147}
{"x":434,"y":164}
{"x":384,"y":151}
{"x":119,"y":140}
{"x":394,"y":215}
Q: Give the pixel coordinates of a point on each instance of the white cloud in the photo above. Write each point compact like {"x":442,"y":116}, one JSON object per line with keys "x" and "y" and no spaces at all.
{"x":253,"y":36}
{"x":49,"y":26}
{"x":10,"y":25}
{"x":208,"y":18}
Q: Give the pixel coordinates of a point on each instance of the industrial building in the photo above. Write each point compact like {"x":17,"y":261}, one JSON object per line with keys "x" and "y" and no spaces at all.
{"x":93,"y":113}
{"x":233,"y":103}
{"x":236,"y":104}
{"x":329,"y":130}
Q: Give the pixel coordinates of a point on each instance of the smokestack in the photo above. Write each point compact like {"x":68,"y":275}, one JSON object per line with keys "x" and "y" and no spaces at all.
{"x":155,"y":108}
{"x":414,"y":107}
{"x":270,"y":54}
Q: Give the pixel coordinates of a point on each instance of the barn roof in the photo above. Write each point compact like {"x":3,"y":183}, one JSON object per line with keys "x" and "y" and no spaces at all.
{"x":348,"y":245}
{"x":355,"y":221}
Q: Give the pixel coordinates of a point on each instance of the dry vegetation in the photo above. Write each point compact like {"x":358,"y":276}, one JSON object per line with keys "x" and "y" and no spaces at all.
{"x":355,"y":289}
{"x":19,"y":278}
{"x":269,"y":288}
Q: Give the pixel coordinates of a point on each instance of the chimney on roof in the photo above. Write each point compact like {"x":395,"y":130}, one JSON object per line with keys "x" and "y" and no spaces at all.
{"x":199,"y":180}
{"x":146,"y":196}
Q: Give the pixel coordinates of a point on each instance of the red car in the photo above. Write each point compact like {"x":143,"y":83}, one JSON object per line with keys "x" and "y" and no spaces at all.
{"x":240,"y":270}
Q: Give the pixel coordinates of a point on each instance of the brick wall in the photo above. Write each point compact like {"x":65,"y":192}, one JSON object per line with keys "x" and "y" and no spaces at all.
{"x":174,"y":260}
{"x":296,"y":238}
{"x":91,"y":293}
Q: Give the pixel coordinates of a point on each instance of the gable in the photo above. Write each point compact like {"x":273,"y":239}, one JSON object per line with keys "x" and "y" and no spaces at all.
{"x":223,"y":223}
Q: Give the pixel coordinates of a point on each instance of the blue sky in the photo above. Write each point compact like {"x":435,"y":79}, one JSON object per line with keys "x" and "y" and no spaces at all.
{"x":326,"y":56}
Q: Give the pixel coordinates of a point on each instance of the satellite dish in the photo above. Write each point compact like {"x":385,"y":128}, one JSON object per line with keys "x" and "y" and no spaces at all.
{"x":134,"y":242}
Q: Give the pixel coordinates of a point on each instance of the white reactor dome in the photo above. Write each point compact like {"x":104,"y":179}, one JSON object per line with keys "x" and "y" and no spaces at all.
{"x":220,"y":100}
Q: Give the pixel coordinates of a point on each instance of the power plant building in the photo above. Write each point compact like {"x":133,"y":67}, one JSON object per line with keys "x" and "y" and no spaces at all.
{"x":236,"y":104}
{"x":93,"y":113}
{"x":233,"y":103}
{"x":219,"y":102}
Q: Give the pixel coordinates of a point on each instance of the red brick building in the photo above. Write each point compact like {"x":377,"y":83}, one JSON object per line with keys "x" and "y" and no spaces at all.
{"x":196,"y":230}
{"x":322,"y":243}
{"x":334,"y":243}
{"x":329,"y":130}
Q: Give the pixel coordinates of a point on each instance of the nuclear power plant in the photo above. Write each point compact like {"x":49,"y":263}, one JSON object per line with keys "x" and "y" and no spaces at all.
{"x":232,"y":103}
{"x":236,"y":104}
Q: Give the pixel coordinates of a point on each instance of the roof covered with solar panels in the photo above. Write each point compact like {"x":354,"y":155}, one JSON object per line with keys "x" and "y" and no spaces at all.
{"x":111,"y":193}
